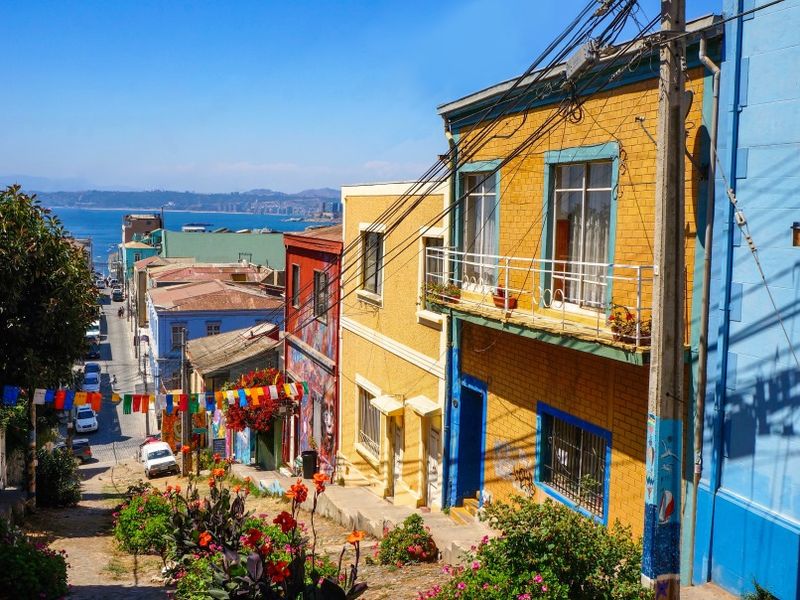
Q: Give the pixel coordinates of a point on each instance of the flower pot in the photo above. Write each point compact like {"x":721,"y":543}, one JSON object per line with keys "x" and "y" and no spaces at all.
{"x":309,"y":463}
{"x":500,"y":302}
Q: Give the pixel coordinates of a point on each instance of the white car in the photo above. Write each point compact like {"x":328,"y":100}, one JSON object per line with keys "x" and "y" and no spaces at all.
{"x":85,"y":420}
{"x":91,"y":382}
{"x":157,"y":458}
{"x":94,"y":330}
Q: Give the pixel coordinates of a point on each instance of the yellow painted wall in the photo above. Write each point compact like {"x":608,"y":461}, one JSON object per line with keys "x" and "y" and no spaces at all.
{"x":519,"y":372}
{"x":608,"y":117}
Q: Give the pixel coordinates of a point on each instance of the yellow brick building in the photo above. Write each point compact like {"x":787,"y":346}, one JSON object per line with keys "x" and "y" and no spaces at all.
{"x":549,"y":247}
{"x":393,"y":354}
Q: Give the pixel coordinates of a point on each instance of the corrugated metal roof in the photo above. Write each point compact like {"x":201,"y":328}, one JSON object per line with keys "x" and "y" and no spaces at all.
{"x":220,"y":352}
{"x":211,"y":295}
{"x":332,"y":233}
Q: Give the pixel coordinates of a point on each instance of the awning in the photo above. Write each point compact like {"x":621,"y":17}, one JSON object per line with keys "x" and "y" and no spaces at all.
{"x":388,"y":405}
{"x":423,"y":406}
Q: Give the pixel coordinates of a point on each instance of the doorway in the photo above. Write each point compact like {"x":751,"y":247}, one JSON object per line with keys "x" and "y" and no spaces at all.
{"x":433,"y":489}
{"x":397,"y":452}
{"x":469,"y":421}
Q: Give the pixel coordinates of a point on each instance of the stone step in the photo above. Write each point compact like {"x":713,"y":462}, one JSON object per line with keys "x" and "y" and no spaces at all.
{"x":461,"y":516}
{"x":471,"y":505}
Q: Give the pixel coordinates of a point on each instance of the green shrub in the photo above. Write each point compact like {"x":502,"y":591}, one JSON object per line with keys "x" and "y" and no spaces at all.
{"x":410,"y":542}
{"x":142,"y":524}
{"x":57,"y":481}
{"x":759,"y":593}
{"x":30,"y":570}
{"x":198,"y":577}
{"x":549,"y":551}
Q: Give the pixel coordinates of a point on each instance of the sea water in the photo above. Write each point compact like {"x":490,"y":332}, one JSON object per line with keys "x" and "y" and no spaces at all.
{"x":104,"y":226}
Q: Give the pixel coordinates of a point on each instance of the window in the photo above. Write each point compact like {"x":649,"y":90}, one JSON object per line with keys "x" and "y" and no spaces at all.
{"x":178,"y":334}
{"x":295,"y":286}
{"x":573,"y":460}
{"x":581,"y":226}
{"x":373,"y":261}
{"x":212,"y":328}
{"x":245,"y":257}
{"x":369,"y":423}
{"x":480,"y":229}
{"x":434,"y":259}
{"x":137,"y":256}
{"x":321,"y":295}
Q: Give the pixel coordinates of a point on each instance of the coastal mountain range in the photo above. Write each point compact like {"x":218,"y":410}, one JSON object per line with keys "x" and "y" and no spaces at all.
{"x":254,"y":201}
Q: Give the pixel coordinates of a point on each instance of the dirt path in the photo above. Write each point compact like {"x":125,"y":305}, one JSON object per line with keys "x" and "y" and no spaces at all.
{"x":99,"y":570}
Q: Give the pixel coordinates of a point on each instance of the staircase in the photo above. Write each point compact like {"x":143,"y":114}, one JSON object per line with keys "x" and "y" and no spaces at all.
{"x":467,"y":513}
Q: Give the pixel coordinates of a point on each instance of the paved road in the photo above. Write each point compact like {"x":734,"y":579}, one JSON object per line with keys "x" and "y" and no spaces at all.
{"x":118,"y":436}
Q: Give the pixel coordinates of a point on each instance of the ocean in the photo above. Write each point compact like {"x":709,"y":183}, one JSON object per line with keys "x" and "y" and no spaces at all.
{"x":104,"y":227}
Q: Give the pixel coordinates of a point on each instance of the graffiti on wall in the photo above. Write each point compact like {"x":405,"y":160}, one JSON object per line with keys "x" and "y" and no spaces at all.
{"x":513,"y":465}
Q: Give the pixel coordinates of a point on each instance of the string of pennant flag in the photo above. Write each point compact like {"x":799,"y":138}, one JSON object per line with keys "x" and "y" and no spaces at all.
{"x":64,"y":399}
{"x":61,"y":399}
{"x":207,"y":401}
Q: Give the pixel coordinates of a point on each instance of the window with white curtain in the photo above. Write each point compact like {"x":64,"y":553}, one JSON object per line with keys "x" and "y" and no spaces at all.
{"x":581,"y":227}
{"x":480,"y":230}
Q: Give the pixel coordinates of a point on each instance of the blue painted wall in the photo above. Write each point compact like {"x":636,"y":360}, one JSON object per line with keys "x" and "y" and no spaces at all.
{"x":749,"y":500}
{"x":165,"y":361}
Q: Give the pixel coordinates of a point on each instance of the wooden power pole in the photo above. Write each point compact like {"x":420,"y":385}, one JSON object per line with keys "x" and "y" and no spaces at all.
{"x":186,"y":417}
{"x":662,"y":530}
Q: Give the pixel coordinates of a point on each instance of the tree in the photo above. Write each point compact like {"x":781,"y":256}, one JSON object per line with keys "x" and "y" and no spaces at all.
{"x":47,"y":302}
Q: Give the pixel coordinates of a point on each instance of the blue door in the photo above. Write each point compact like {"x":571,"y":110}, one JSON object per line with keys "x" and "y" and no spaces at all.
{"x":469,"y":457}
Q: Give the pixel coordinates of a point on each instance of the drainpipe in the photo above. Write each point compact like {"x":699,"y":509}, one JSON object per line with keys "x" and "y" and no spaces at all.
{"x":451,"y":333}
{"x":702,"y":352}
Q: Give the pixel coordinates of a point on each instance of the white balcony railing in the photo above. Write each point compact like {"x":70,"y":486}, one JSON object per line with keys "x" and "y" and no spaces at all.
{"x":604,"y":301}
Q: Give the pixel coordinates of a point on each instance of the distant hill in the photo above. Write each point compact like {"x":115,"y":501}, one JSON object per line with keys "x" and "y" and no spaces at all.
{"x":261,"y":201}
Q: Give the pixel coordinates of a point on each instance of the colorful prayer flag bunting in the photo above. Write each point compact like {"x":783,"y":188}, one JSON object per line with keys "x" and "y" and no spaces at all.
{"x":69,"y":399}
{"x":38,"y":396}
{"x":10,"y":395}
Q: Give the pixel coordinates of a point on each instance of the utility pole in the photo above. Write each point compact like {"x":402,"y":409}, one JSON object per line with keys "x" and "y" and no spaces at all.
{"x":662,"y":523}
{"x":186,"y":417}
{"x":147,"y":413}
{"x":31,"y":500}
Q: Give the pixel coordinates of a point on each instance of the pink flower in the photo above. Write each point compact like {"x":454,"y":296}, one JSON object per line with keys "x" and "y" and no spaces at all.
{"x":544,"y":588}
{"x":475,"y":565}
{"x":525,"y":596}
{"x":461,"y":585}
{"x":537,"y":579}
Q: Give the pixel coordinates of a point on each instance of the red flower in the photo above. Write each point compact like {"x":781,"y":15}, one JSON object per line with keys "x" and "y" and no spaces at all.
{"x":278,"y":571}
{"x":253,"y":537}
{"x":298,"y":492}
{"x":266,"y":549}
{"x":285,"y":521}
{"x":205,"y":539}
{"x":185,"y":449}
{"x":319,"y":482}
{"x":217,"y":458}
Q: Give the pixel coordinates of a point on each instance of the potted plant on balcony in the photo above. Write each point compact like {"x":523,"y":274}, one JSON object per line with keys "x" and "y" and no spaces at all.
{"x":499,"y":298}
{"x":623,"y":324}
{"x":442,"y":292}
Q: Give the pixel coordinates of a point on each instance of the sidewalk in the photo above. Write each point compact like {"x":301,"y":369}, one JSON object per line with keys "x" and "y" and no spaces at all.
{"x":358,"y":508}
{"x":705,"y":592}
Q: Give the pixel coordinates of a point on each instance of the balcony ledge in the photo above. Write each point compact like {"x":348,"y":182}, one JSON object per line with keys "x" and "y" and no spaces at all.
{"x":543,"y":330}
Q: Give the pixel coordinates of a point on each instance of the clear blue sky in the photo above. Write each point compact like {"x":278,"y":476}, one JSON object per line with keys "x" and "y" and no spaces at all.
{"x":224,"y":96}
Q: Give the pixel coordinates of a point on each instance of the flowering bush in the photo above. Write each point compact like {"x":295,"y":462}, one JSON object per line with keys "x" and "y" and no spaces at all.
{"x":623,"y":323}
{"x":222,"y":551}
{"x":142,"y":522}
{"x":30,"y":570}
{"x":410,"y":542}
{"x":547,"y":551}
{"x":257,"y":418}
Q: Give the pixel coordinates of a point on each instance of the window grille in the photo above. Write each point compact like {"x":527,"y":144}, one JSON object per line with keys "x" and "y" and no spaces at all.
{"x":574,"y":463}
{"x":369,"y":423}
{"x":372,"y":261}
{"x":320,"y":295}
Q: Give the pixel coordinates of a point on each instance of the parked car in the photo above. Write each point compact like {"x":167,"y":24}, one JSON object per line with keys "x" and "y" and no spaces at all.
{"x":94,"y":330}
{"x":80,"y":449}
{"x":100,"y":284}
{"x":91,"y":367}
{"x":157,"y":458}
{"x":92,"y":348}
{"x":113,"y":282}
{"x":117,"y":294}
{"x":85,"y":420}
{"x":91,"y":382}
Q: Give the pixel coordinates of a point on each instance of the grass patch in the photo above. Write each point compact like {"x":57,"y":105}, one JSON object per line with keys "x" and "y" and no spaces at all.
{"x":116,"y":569}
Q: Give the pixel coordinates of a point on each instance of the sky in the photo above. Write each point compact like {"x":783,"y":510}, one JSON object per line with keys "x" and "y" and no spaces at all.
{"x":229,"y":96}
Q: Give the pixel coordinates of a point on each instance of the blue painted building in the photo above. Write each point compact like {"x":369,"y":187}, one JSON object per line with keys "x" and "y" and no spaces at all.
{"x":748,"y":519}
{"x":197,"y":310}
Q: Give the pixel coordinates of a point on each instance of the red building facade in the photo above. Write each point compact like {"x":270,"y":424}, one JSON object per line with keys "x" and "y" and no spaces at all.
{"x":311,"y":351}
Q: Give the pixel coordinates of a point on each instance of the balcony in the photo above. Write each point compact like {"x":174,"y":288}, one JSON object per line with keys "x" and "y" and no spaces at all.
{"x":601,"y":303}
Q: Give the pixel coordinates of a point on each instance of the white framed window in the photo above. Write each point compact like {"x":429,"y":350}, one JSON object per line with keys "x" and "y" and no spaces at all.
{"x":321,"y":296}
{"x":369,"y":423}
{"x":479,"y":230}
{"x":213,"y":327}
{"x":178,"y":335}
{"x":372,"y":262}
{"x":295,"y":286}
{"x":433,"y":261}
{"x":581,"y":230}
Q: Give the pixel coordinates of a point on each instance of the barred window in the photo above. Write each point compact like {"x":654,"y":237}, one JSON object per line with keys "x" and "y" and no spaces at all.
{"x":213,"y":327}
{"x":369,"y":423}
{"x":295,"y":286}
{"x":573,"y":462}
{"x":372,"y":262}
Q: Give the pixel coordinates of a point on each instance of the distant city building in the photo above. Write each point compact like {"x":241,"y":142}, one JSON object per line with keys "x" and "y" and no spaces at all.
{"x":139,"y":225}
